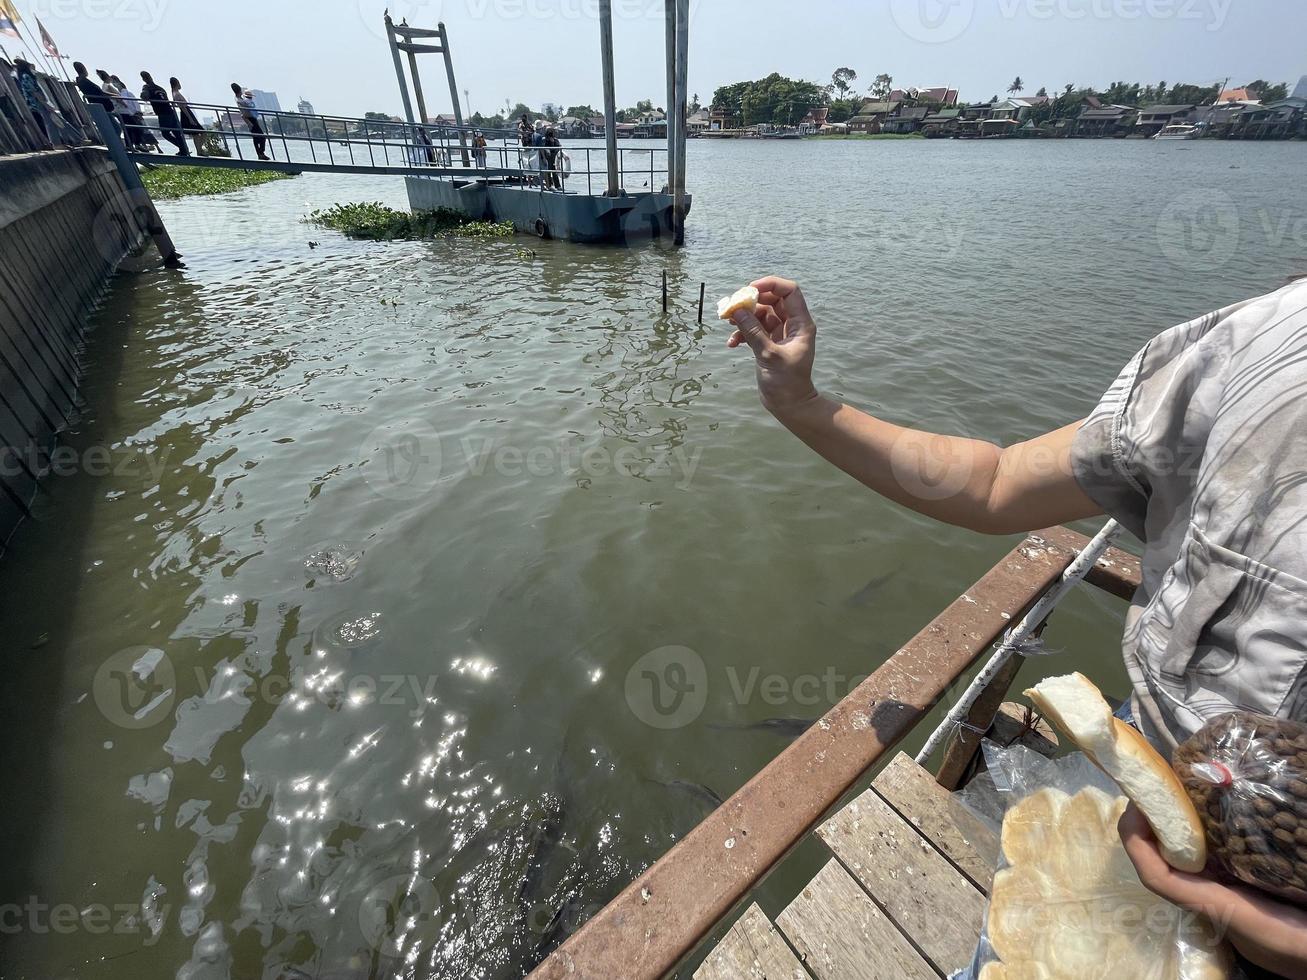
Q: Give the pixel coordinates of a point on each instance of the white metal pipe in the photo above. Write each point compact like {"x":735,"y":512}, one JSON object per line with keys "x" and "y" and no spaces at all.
{"x":1022,"y":632}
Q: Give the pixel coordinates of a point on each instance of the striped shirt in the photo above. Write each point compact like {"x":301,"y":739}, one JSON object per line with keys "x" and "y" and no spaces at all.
{"x":1200,"y":449}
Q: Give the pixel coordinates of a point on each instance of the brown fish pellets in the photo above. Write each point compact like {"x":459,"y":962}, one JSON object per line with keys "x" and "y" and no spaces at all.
{"x":1247,"y":777}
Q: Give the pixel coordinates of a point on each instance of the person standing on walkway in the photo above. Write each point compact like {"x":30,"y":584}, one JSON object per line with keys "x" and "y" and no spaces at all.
{"x":31,"y":91}
{"x":250,"y":113}
{"x":537,"y":151}
{"x":95,"y":95}
{"x":549,"y":160}
{"x":479,"y":148}
{"x":189,"y":121}
{"x":139,"y":135}
{"x":161,"y":103}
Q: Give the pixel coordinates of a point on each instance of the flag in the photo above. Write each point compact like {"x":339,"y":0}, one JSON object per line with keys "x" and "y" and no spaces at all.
{"x":8,"y":18}
{"x":47,"y":41}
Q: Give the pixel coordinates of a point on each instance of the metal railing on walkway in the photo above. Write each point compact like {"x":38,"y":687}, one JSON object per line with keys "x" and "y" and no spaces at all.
{"x":318,"y":142}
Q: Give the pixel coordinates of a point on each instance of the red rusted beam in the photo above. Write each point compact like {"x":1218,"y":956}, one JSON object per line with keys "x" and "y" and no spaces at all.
{"x":663,"y":915}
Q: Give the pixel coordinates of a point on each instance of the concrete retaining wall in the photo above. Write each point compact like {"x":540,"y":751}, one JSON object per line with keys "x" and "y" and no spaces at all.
{"x":66,"y":221}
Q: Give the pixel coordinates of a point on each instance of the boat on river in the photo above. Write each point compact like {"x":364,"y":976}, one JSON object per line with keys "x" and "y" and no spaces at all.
{"x":1179,"y":131}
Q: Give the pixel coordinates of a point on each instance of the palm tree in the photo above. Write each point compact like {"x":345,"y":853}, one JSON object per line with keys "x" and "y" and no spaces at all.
{"x":1016,"y":86}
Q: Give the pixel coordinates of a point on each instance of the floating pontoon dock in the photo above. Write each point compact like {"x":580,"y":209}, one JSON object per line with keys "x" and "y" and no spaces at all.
{"x":618,"y":210}
{"x":904,"y":890}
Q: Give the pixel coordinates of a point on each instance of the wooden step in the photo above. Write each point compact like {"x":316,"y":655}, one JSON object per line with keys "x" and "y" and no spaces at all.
{"x":929,"y":900}
{"x":842,"y":935}
{"x":752,"y":949}
{"x":955,"y":832}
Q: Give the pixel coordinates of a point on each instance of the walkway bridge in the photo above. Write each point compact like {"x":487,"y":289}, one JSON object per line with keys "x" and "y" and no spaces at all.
{"x":303,"y":143}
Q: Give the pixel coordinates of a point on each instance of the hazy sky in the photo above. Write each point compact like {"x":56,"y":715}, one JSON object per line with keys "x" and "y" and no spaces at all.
{"x":333,"y":53}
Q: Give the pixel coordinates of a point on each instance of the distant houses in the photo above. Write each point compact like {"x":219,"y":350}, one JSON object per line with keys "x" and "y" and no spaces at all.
{"x":1099,"y":121}
{"x":941,"y":123}
{"x":1285,"y":119}
{"x":936,"y":113}
{"x":814,"y":121}
{"x":1155,"y":118}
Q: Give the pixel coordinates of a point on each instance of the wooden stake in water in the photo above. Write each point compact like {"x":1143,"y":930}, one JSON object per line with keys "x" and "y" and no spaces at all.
{"x":701,"y":287}
{"x":664,"y":290}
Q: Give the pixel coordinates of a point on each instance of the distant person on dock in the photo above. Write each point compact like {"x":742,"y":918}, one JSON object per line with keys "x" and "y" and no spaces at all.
{"x":135,"y":131}
{"x":250,"y":113}
{"x":30,"y":88}
{"x":536,"y":158}
{"x":1197,"y":449}
{"x":190,"y":122}
{"x":479,"y":148}
{"x":95,"y":95}
{"x":549,"y":160}
{"x":169,"y":125}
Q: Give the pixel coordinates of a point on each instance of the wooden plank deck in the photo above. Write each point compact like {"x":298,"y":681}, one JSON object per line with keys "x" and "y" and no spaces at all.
{"x":902,"y":897}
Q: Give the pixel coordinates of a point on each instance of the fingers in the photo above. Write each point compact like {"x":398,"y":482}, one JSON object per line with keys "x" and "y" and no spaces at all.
{"x":775,"y":284}
{"x":1190,"y":891}
{"x":750,"y":328}
{"x":784,"y":289}
{"x":770,"y":318}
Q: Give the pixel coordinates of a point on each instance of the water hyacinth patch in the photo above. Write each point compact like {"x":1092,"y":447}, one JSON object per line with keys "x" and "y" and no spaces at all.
{"x":168,"y":183}
{"x":377,"y":222}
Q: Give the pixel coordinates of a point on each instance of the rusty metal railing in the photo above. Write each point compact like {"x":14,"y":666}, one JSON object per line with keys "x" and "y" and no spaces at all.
{"x":664,"y":914}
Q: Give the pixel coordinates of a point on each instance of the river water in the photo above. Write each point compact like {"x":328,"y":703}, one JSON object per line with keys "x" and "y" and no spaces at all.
{"x":329,"y":654}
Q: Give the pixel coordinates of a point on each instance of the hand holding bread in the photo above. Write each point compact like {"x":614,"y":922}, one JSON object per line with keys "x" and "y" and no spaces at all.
{"x":780,"y":331}
{"x":1079,"y":711}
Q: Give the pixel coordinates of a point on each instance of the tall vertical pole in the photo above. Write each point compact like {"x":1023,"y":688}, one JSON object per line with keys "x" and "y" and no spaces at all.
{"x":453,"y":92}
{"x":670,"y":7}
{"x":423,"y":118}
{"x":610,"y":94}
{"x":682,"y":117}
{"x":399,"y":70}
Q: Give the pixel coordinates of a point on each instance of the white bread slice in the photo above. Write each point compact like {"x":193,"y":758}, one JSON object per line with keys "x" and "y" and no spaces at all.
{"x":1078,"y":709}
{"x":745,"y":298}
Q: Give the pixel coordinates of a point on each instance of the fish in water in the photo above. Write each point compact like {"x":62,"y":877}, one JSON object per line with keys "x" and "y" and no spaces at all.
{"x":786,"y":727}
{"x":865,"y":594}
{"x":698,"y":791}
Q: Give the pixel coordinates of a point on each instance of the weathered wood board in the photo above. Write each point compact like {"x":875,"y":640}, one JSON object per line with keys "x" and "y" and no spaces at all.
{"x":842,"y":935}
{"x":924,"y":895}
{"x":752,"y":949}
{"x":958,"y":834}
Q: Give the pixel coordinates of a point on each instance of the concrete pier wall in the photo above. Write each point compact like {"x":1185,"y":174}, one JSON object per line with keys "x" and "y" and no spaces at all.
{"x":66,"y":221}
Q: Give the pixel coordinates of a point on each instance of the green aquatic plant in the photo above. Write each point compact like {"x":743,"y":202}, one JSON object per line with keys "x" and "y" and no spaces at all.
{"x":167,"y":183}
{"x":377,"y":222}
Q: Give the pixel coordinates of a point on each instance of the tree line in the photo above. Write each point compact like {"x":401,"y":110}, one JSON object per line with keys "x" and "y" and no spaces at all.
{"x":783,"y":101}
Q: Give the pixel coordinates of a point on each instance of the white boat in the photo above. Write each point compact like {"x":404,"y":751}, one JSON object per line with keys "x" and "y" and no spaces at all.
{"x":1179,"y":131}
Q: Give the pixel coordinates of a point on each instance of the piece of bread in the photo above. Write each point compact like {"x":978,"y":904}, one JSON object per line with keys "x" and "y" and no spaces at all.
{"x":745,"y":298}
{"x":1078,"y":709}
{"x":1069,"y":905}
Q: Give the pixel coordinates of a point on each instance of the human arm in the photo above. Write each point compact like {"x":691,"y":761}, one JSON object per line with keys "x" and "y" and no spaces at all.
{"x":967,"y":482}
{"x":1268,"y":933}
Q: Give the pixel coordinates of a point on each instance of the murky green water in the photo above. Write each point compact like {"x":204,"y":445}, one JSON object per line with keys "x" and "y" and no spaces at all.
{"x":346,"y":592}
